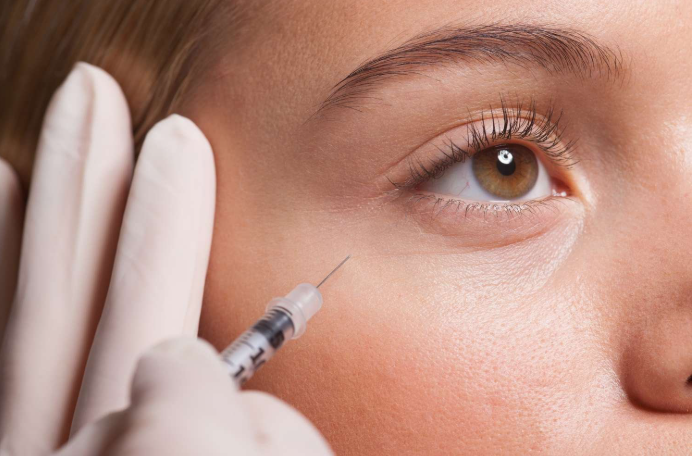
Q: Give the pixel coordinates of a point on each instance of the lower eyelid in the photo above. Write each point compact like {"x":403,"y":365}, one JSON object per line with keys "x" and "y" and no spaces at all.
{"x":483,"y":223}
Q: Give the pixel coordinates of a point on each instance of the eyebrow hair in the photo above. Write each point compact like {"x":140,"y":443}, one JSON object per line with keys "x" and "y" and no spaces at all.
{"x":555,"y":50}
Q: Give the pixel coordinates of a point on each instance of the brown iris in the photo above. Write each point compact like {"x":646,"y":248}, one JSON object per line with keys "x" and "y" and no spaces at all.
{"x":507,"y":171}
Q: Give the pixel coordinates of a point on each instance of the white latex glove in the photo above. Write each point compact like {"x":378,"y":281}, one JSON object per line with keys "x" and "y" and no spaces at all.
{"x":78,"y":297}
{"x":182,"y":404}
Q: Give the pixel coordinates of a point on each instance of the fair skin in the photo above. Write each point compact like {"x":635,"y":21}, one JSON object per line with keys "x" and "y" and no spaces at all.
{"x":559,"y":330}
{"x":563,"y":330}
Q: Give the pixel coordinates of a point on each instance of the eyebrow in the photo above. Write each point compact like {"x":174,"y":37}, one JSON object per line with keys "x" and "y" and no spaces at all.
{"x":554,"y":50}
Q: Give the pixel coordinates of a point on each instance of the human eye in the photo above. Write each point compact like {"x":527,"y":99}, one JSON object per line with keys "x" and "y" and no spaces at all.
{"x":507,"y":162}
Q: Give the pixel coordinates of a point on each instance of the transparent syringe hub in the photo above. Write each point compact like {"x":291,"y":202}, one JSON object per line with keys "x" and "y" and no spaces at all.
{"x":286,"y":318}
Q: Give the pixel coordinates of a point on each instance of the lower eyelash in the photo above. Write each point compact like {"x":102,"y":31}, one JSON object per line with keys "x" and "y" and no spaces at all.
{"x":510,"y":211}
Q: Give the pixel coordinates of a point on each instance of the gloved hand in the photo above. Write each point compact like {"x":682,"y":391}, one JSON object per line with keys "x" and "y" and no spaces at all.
{"x":105,"y":275}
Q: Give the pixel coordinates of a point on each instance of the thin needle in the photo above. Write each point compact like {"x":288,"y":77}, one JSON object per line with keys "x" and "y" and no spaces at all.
{"x":335,"y":269}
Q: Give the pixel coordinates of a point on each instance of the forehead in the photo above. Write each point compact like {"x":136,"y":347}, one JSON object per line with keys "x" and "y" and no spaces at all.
{"x":361,"y":28}
{"x":310,"y":45}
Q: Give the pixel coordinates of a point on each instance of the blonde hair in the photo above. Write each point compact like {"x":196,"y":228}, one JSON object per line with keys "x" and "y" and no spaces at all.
{"x":151,"y":47}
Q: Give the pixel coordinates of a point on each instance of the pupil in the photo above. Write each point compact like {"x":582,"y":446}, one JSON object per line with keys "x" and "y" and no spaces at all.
{"x":505,"y":163}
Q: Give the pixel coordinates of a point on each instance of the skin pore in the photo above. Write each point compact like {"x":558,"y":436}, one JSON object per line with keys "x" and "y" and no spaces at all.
{"x":560,"y":328}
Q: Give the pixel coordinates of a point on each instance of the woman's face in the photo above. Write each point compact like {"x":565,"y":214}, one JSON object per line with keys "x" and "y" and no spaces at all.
{"x":558,"y":319}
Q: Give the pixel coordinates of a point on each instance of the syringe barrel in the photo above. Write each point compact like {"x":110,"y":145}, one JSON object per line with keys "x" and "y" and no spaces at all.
{"x":257,"y":345}
{"x":286,"y":318}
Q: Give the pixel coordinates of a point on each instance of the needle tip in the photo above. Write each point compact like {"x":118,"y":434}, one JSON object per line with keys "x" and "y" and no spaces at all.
{"x":335,"y":269}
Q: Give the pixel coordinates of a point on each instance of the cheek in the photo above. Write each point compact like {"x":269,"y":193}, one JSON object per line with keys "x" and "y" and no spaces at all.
{"x":390,"y":379}
{"x":425,"y":352}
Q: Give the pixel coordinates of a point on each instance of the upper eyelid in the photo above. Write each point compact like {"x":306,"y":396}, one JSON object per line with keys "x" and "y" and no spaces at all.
{"x":541,"y":130}
{"x":546,"y":130}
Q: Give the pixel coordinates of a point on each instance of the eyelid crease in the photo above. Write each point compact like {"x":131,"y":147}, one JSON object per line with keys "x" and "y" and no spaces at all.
{"x":521,"y":122}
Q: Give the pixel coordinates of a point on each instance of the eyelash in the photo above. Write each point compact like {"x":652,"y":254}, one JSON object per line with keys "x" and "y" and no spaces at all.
{"x":511,"y":123}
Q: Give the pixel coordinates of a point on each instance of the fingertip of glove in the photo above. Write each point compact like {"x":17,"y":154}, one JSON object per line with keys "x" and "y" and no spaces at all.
{"x":183,"y":347}
{"x":177,"y":363}
{"x":181,"y":154}
{"x":189,"y":352}
{"x":180,"y":135}
{"x":88,"y":117}
{"x":86,"y":74}
{"x":181,"y":128}
{"x":110,"y":96}
{"x":86,"y":84}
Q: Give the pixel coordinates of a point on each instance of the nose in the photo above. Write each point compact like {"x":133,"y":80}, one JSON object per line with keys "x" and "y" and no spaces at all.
{"x":651,"y":286}
{"x":658,"y":362}
{"x":653,"y":291}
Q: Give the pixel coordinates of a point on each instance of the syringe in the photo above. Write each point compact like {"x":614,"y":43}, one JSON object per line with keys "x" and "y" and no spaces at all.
{"x":285,"y":318}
